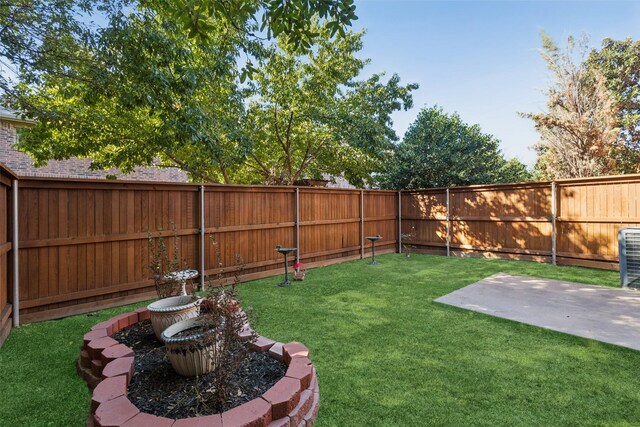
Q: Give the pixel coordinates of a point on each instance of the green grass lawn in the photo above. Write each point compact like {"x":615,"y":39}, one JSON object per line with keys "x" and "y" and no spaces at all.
{"x":385,"y":353}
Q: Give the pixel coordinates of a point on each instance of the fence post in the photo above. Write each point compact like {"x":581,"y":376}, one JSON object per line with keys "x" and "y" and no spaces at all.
{"x":399,"y":222}
{"x":361,"y":224}
{"x":297,"y":230}
{"x":16,"y":259}
{"x":448,"y":217}
{"x":202,"y":237}
{"x":553,"y":222}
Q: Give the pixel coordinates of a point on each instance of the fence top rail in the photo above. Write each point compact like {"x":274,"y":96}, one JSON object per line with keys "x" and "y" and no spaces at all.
{"x":394,"y":192}
{"x":107,"y":184}
{"x":480,"y":187}
{"x":328,"y":190}
{"x":609,"y":179}
{"x":4,"y":170}
{"x":88,"y":183}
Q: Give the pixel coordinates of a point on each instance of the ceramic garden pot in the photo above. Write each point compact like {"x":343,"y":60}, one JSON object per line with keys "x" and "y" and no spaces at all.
{"x":167,"y":311}
{"x":189,"y":353}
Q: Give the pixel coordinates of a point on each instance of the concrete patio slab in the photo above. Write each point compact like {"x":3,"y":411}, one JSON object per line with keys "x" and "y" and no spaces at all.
{"x":605,"y":314}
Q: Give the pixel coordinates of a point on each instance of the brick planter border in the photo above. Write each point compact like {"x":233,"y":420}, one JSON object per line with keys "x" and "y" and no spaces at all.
{"x":107,"y":367}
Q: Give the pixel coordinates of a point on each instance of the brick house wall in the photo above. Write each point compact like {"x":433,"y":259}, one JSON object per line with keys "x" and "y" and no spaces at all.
{"x":22,"y":164}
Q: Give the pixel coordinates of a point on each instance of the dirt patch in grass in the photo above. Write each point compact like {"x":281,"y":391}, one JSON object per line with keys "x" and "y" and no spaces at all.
{"x":157,"y":389}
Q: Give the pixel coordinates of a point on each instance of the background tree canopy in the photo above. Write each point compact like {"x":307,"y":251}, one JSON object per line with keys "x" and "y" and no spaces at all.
{"x":134,"y":91}
{"x":592,"y":123}
{"x":618,"y":61}
{"x":145,"y":86}
{"x":310,"y":115}
{"x":578,"y":130}
{"x":440,"y":150}
{"x":291,"y":19}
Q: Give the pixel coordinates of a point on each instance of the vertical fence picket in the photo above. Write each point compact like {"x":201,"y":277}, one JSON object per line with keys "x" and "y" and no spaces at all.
{"x":297,"y":225}
{"x":201,"y":233}
{"x":361,"y":224}
{"x":399,"y":222}
{"x":448,"y":219}
{"x":554,"y":201}
{"x":15,"y":247}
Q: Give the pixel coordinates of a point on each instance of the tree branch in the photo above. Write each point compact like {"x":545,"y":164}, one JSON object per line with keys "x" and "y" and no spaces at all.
{"x":266,"y":172}
{"x":308,"y":158}
{"x":182,"y":165}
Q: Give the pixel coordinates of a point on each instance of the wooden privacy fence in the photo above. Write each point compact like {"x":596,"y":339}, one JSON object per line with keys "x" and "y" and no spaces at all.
{"x":80,"y":245}
{"x":568,"y":222}
{"x":85,"y":244}
{"x":7,"y":182}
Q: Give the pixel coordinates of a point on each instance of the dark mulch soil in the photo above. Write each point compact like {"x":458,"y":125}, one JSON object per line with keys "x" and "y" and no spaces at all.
{"x":157,"y":389}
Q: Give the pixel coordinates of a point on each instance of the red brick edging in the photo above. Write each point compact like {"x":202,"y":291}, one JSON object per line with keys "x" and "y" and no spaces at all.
{"x":107,"y":367}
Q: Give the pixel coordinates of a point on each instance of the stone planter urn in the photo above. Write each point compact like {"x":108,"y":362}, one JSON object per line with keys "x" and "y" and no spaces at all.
{"x":167,"y":311}
{"x":189,"y":353}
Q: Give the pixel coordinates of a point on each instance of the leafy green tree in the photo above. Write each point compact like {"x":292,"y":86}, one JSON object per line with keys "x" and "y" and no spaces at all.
{"x":142,"y":91}
{"x":579,"y":130}
{"x":312,"y":116}
{"x":440,"y":150}
{"x":35,"y":34}
{"x":144,"y":86}
{"x":292,"y":19}
{"x":513,"y":170}
{"x":619,"y":62}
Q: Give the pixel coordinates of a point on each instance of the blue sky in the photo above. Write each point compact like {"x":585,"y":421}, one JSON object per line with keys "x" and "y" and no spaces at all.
{"x":481,"y":58}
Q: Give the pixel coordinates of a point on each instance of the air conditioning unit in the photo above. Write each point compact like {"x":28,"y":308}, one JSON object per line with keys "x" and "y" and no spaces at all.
{"x":629,"y":250}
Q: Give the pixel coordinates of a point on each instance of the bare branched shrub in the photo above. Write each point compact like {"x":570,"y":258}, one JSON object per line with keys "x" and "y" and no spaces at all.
{"x":220,"y":279}
{"x":407,"y":249}
{"x":163,"y":261}
{"x":222,"y":321}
